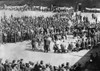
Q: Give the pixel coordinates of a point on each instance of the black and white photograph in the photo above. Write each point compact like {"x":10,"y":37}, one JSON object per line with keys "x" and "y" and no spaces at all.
{"x":49,"y":35}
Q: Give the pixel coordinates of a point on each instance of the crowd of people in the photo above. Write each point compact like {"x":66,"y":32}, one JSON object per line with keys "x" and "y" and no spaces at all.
{"x":19,"y":65}
{"x":58,"y":27}
{"x":36,"y":8}
{"x":24,"y":8}
{"x":44,"y":30}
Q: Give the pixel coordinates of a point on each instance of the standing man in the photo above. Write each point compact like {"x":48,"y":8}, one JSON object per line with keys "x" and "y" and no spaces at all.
{"x":46,"y":44}
{"x":33,"y":44}
{"x":1,"y":66}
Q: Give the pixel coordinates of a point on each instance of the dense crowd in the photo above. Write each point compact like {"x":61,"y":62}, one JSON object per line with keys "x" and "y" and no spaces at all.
{"x":46,"y":30}
{"x":20,"y":65}
{"x":36,"y":8}
{"x":58,"y":27}
{"x":24,"y":8}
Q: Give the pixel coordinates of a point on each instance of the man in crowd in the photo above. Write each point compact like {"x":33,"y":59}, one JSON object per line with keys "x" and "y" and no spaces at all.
{"x":1,"y":65}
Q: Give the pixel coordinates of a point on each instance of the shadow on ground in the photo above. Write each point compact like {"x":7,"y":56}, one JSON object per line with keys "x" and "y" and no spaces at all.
{"x":95,"y":66}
